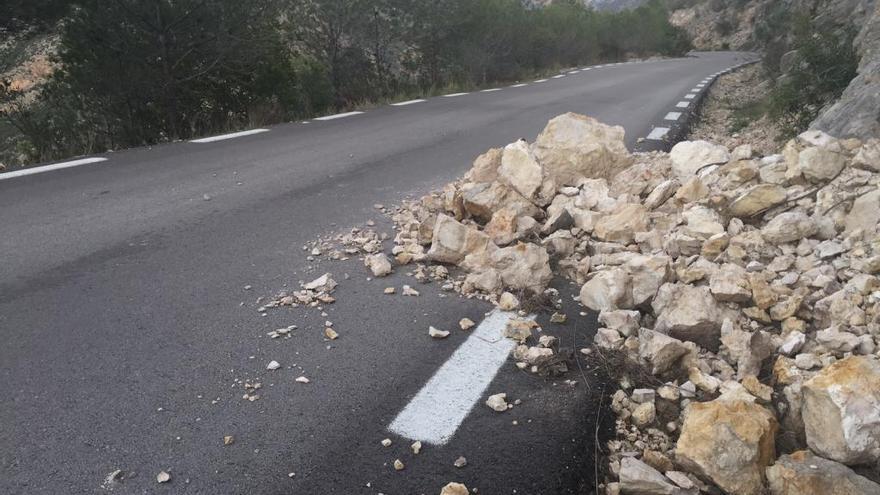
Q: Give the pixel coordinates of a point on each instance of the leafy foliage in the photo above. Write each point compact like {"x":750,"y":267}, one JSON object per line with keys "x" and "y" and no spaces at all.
{"x":136,"y":72}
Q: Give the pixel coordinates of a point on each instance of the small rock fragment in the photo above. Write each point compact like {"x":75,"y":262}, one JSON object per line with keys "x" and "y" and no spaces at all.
{"x":497,"y":402}
{"x":437,"y":334}
{"x":273,"y":365}
{"x":163,"y":477}
{"x":466,"y":323}
{"x":416,"y":447}
{"x":460,"y":462}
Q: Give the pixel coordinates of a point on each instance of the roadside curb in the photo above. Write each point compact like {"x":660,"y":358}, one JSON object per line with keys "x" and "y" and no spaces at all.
{"x":667,"y":133}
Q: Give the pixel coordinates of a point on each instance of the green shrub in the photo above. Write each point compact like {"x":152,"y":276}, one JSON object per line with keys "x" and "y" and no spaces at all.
{"x":825,"y":64}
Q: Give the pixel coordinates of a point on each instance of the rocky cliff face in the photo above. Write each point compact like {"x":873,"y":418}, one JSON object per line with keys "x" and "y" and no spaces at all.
{"x":857,"y":113}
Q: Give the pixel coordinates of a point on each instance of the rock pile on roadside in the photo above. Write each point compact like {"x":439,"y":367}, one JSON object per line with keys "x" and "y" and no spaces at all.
{"x":740,"y":294}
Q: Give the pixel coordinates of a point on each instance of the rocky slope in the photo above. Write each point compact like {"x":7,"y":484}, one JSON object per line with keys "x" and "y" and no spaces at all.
{"x":857,"y":113}
{"x":738,"y":294}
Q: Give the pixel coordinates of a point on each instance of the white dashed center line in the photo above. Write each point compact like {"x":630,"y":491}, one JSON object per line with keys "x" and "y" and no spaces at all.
{"x":49,"y":168}
{"x":658,"y":133}
{"x":339,"y":116}
{"x":229,"y":136}
{"x":405,"y":103}
{"x":672,"y":116}
{"x":436,"y":412}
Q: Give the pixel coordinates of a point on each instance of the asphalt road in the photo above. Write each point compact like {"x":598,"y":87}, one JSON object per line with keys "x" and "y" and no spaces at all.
{"x":126,"y":328}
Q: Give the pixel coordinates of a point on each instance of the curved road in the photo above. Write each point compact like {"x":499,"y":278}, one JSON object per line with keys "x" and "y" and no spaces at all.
{"x":127,"y":329}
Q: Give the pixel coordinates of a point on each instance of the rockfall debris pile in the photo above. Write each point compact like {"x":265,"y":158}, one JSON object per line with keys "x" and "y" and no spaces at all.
{"x":741,"y":294}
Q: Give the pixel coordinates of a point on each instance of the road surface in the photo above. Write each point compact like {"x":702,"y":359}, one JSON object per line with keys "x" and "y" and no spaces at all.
{"x":127,"y":329}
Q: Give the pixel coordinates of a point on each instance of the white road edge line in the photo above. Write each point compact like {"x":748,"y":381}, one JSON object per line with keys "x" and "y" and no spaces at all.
{"x":683,"y":104}
{"x":438,"y":409}
{"x":672,"y":116}
{"x":559,"y":76}
{"x":541,"y":80}
{"x":405,"y":103}
{"x":490,"y":90}
{"x":233,"y":135}
{"x":453,"y":95}
{"x":49,"y":168}
{"x":520,"y":85}
{"x":339,"y":116}
{"x":658,"y":133}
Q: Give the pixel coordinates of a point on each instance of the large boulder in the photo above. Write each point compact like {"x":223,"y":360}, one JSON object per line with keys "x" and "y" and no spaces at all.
{"x":574,"y":146}
{"x":791,"y":226}
{"x":730,"y":283}
{"x":452,"y":240}
{"x":523,"y":266}
{"x":688,"y":157}
{"x":520,"y":170}
{"x":728,"y":442}
{"x":688,"y":313}
{"x":485,"y":168}
{"x":841,"y":411}
{"x":622,"y":224}
{"x":636,"y":477}
{"x":482,"y":200}
{"x":659,"y":351}
{"x":820,"y":164}
{"x":803,"y":473}
{"x":865,"y":212}
{"x":756,"y":199}
{"x":608,"y":290}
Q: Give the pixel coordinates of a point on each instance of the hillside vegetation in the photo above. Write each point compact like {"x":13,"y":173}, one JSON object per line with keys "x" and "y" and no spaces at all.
{"x":133,"y":73}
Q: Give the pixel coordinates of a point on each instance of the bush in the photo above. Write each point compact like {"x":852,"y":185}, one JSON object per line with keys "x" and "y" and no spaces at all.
{"x":824,"y":65}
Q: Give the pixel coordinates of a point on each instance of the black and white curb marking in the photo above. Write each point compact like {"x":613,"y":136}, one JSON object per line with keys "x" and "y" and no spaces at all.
{"x":676,"y":123}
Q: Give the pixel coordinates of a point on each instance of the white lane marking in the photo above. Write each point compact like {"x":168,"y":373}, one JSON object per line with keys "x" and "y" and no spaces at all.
{"x":672,"y":116}
{"x":575,"y":71}
{"x":228,"y":136}
{"x":405,"y":103}
{"x":541,"y":80}
{"x":339,"y":116}
{"x":491,"y":90}
{"x":658,"y":133}
{"x":49,"y":168}
{"x":521,"y":85}
{"x":560,"y":76}
{"x":683,"y":104}
{"x":438,"y":409}
{"x":696,"y":90}
{"x":588,"y":68}
{"x":690,"y":96}
{"x":453,"y":95}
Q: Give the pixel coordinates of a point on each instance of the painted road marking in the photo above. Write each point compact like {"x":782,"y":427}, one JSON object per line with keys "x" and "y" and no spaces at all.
{"x":541,"y":80}
{"x":229,"y":136}
{"x":560,"y":76}
{"x":672,"y":116}
{"x":683,"y":104}
{"x":575,"y":71}
{"x":405,"y":103}
{"x":521,"y":85}
{"x":436,"y":412}
{"x":339,"y":116}
{"x":453,"y":95}
{"x":690,"y":96}
{"x":49,"y":168}
{"x":658,"y":133}
{"x":492,"y":90}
